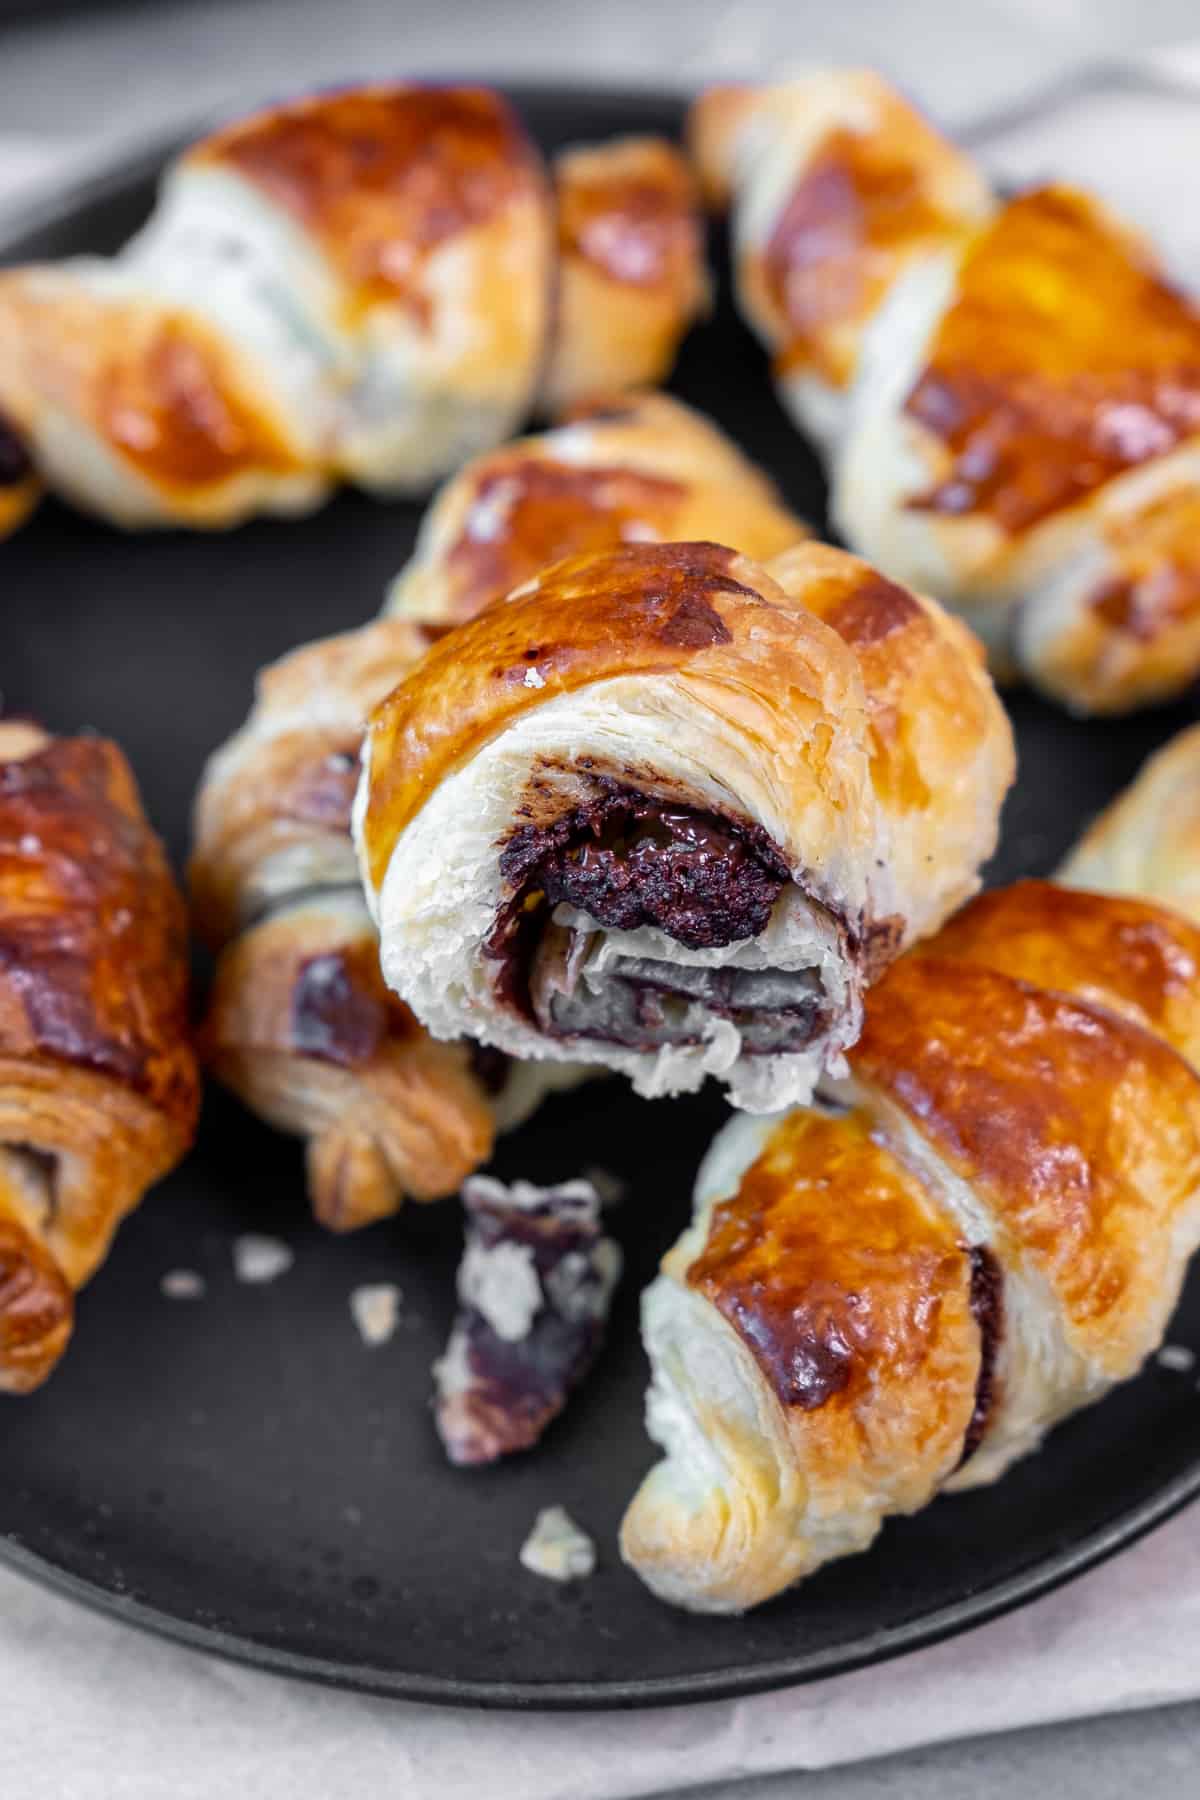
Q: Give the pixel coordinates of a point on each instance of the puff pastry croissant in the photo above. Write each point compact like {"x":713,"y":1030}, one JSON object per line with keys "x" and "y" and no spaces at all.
{"x":300,"y":1024}
{"x":98,"y":1083}
{"x":902,"y":1288}
{"x":1148,"y":840}
{"x":667,"y":811}
{"x":1008,"y":394}
{"x":365,"y":285}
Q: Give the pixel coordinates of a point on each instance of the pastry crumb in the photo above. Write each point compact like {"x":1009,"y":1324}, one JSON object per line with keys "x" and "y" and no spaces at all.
{"x":258,"y":1259}
{"x":610,"y":1187}
{"x":183,"y":1284}
{"x":534,"y":678}
{"x":376,"y":1311}
{"x":557,"y":1548}
{"x":1177,"y":1357}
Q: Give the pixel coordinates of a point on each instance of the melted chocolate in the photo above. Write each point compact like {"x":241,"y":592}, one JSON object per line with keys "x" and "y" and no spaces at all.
{"x":15,"y":466}
{"x":987,"y":1309}
{"x":628,"y":861}
{"x":334,"y":1017}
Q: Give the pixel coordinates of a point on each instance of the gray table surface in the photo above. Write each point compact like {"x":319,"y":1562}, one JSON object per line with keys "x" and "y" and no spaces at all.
{"x":100,"y":78}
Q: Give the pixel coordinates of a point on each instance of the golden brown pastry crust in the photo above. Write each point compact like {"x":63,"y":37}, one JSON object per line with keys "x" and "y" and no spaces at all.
{"x":168,"y":396}
{"x":302,"y":1028}
{"x":1064,"y":359}
{"x":98,"y":1083}
{"x":284,"y":784}
{"x":1071,"y":1122}
{"x":637,"y":610}
{"x":383,"y":176}
{"x":639,"y":468}
{"x":631,"y":270}
{"x":876,"y":187}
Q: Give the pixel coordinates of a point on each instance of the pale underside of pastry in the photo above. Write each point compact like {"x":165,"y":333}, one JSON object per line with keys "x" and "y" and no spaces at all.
{"x":666,"y":811}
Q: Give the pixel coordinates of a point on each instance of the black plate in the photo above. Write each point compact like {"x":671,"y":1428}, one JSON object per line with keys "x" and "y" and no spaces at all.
{"x":240,"y":1472}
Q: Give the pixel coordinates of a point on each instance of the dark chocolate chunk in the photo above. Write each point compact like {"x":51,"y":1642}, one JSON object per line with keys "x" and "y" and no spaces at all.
{"x":534,"y":1288}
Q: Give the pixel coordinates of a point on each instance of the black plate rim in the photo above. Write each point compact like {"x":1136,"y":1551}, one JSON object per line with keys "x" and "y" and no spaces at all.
{"x":133,"y":164}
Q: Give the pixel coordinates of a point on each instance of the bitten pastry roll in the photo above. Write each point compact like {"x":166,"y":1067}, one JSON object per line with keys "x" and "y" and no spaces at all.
{"x":534,"y":1288}
{"x":1148,"y":840}
{"x":901,"y":1289}
{"x":668,"y":811}
{"x":357,"y":285}
{"x":631,"y":274}
{"x":300,"y":1025}
{"x":98,"y":1084}
{"x":1007,"y":394}
{"x":640,"y":469}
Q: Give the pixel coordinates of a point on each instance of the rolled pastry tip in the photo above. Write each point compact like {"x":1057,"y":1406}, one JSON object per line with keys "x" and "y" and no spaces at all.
{"x":1147,"y":841}
{"x":534,"y":1288}
{"x":643,"y":468}
{"x":900,"y":1290}
{"x":667,"y":811}
{"x":1026,"y":443}
{"x":837,"y":187}
{"x":631,"y":275}
{"x":98,"y":1084}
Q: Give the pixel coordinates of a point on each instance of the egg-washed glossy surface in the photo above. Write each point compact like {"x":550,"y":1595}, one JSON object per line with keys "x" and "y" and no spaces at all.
{"x":300,"y":1512}
{"x":1063,"y":361}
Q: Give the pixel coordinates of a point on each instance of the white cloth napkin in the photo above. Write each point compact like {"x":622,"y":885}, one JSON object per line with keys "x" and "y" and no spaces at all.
{"x":90,"y":1710}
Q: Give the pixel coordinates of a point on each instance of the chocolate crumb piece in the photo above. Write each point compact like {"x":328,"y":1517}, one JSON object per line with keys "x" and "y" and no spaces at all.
{"x":534,"y":1289}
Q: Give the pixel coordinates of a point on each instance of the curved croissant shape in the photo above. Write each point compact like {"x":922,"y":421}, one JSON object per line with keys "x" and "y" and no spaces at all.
{"x":357,"y":285}
{"x":667,"y":811}
{"x":1148,"y":840}
{"x":300,"y":1025}
{"x":1014,"y":390}
{"x":98,"y":1084}
{"x":903,"y":1288}
{"x":641,"y":469}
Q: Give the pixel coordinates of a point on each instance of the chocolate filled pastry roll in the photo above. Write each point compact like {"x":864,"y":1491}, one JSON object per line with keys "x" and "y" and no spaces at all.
{"x":98,"y":1084}
{"x":899,"y":1290}
{"x":837,"y":187}
{"x":386,"y":1110}
{"x":1007,"y":394}
{"x":300,"y":1025}
{"x":640,"y":469}
{"x":668,"y":811}
{"x":360,"y":285}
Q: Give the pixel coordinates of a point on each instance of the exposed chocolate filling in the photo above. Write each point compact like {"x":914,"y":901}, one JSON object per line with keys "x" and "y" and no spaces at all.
{"x":643,"y":1003}
{"x":15,"y":466}
{"x":987,"y":1307}
{"x":630,"y":861}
